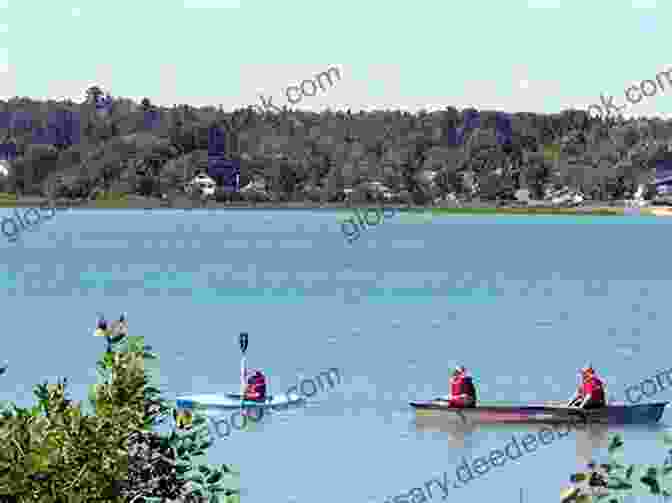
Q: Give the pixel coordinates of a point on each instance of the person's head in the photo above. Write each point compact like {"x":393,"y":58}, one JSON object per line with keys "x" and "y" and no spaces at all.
{"x":587,"y":372}
{"x":255,"y":376}
{"x":459,"y":370}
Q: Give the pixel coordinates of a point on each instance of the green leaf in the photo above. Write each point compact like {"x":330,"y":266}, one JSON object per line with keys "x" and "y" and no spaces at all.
{"x":629,"y":472}
{"x":215,"y":477}
{"x":181,"y":470}
{"x":650,"y":481}
{"x":225,"y":490}
{"x":198,"y":492}
{"x":578,"y":477}
{"x":116,"y":339}
{"x":617,"y":483}
{"x":186,"y":464}
{"x":615,"y":445}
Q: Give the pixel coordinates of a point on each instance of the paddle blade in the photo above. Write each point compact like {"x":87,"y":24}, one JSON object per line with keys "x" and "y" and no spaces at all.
{"x":243,"y":342}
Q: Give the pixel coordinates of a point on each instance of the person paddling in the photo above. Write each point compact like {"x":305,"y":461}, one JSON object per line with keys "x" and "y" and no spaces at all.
{"x":590,"y":394}
{"x":462,"y":389}
{"x":255,"y":390}
{"x":252,"y":382}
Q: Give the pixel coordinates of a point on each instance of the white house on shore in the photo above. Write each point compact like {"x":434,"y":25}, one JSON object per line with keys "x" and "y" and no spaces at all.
{"x":5,"y":168}
{"x":202,"y":183}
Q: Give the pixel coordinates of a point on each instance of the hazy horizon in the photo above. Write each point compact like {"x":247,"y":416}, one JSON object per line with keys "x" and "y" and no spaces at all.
{"x":541,"y":56}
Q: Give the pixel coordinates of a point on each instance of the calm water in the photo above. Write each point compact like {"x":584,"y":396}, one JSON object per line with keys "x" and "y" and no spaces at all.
{"x":521,"y":301}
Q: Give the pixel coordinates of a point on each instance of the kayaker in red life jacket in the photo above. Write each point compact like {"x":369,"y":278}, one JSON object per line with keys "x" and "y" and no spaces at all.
{"x":462,"y":389}
{"x":256,"y":386}
{"x":591,"y":394}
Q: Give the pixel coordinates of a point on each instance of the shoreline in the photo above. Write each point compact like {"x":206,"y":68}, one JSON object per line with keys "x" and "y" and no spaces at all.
{"x":465,"y":209}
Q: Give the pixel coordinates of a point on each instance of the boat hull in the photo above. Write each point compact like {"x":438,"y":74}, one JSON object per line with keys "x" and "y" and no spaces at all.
{"x":233,"y":401}
{"x":496,"y":414}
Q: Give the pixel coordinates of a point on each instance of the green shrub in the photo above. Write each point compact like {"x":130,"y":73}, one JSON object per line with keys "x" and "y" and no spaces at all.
{"x":614,"y":480}
{"x":54,"y":453}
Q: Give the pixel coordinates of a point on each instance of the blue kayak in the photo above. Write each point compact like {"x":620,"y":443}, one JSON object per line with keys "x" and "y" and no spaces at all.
{"x":233,"y":401}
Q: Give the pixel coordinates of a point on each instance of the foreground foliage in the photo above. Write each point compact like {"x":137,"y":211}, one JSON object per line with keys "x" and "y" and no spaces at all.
{"x":53,"y":452}
{"x":613,"y":481}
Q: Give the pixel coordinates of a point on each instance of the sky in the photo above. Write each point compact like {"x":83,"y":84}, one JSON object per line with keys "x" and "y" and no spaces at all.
{"x":540,"y":56}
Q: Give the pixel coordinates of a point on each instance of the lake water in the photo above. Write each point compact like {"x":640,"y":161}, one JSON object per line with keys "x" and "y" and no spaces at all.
{"x":523,"y":302}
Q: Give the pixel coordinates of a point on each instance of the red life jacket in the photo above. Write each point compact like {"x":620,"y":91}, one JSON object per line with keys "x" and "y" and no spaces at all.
{"x":462,"y":385}
{"x":595,"y":388}
{"x":456,"y":385}
{"x":256,"y":386}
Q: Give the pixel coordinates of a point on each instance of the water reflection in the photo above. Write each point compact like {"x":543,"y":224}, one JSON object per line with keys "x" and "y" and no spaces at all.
{"x":589,"y":438}
{"x":457,"y":432}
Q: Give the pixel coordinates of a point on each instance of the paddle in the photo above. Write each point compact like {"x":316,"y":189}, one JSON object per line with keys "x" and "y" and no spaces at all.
{"x":556,"y":403}
{"x":243,"y":340}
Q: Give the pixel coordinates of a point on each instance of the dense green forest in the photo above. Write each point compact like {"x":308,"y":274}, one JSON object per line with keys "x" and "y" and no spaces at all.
{"x":111,"y":145}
